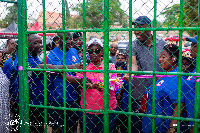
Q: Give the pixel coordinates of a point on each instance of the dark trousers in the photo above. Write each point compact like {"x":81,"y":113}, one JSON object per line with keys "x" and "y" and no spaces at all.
{"x":36,"y":120}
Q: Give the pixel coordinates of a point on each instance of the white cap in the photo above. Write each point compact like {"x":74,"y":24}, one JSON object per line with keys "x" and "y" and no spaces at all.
{"x":95,"y":41}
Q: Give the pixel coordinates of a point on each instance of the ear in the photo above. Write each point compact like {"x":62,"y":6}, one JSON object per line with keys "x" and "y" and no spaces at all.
{"x":174,"y":59}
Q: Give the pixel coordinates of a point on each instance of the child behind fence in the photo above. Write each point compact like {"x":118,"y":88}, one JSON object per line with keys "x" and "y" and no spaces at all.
{"x":122,"y":95}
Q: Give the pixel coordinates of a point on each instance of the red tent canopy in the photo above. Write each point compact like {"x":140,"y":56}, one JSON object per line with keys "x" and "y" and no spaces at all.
{"x":38,"y":27}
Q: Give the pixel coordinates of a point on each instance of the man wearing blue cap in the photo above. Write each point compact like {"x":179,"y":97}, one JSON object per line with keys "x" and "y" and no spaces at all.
{"x":189,"y":88}
{"x":142,"y":60}
{"x":193,"y":46}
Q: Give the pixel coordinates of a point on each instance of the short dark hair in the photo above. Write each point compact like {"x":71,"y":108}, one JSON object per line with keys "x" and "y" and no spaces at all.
{"x":173,"y":50}
{"x":121,"y":64}
{"x":54,"y":40}
{"x":77,"y":34}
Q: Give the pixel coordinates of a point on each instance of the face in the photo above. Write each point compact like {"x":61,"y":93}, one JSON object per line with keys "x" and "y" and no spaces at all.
{"x":11,"y":46}
{"x":119,"y":74}
{"x":113,"y":48}
{"x":78,"y":43}
{"x":68,"y":40}
{"x":35,"y":44}
{"x":142,"y":36}
{"x":95,"y":52}
{"x":121,"y":58}
{"x":166,"y":61}
{"x":186,"y":65}
{"x":193,"y":50}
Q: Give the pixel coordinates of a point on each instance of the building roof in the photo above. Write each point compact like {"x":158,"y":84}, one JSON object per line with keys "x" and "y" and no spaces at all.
{"x":50,"y":17}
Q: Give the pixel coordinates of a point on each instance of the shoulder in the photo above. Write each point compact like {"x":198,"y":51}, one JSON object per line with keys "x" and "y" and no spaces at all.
{"x":73,"y":50}
{"x":135,"y":43}
{"x":160,"y":43}
{"x":8,"y":61}
{"x":54,"y":52}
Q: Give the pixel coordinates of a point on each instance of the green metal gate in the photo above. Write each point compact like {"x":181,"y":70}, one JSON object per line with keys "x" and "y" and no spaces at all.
{"x":23,"y":63}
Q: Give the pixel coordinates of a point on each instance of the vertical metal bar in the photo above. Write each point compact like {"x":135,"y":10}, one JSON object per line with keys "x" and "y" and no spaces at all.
{"x":106,"y":66}
{"x":130,"y":66}
{"x":84,"y":67}
{"x":45,"y":74}
{"x":64,"y":63}
{"x":180,"y":65}
{"x":20,"y":63}
{"x":25,"y":65}
{"x":154,"y":65}
{"x":197,"y":85}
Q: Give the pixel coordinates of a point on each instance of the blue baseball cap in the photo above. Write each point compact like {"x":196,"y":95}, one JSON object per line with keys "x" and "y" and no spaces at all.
{"x":142,"y":20}
{"x":192,"y":39}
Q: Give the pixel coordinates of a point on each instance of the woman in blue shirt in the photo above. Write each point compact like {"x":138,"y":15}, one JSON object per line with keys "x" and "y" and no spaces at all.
{"x":166,"y":92}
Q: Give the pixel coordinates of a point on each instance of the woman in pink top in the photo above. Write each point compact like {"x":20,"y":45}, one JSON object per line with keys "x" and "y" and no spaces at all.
{"x":94,"y":94}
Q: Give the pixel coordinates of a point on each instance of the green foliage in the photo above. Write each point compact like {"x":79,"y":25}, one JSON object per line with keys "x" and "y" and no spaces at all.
{"x":94,"y":13}
{"x":67,"y":20}
{"x":11,"y":15}
{"x":191,"y":15}
{"x":172,"y":16}
{"x":190,"y":18}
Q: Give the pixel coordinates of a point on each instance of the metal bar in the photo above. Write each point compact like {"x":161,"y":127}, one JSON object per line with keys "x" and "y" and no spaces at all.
{"x":106,"y":65}
{"x":154,"y":66}
{"x":116,"y":71}
{"x":20,"y":63}
{"x":8,"y":1}
{"x":120,"y":29}
{"x":45,"y":73}
{"x":197,"y":85}
{"x":130,"y":66}
{"x":117,"y":112}
{"x":84,"y":66}
{"x":64,"y":63}
{"x":180,"y":65}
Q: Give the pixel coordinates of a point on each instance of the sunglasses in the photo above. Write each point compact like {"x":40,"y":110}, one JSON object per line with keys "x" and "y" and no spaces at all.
{"x":96,"y":51}
{"x":120,"y":58}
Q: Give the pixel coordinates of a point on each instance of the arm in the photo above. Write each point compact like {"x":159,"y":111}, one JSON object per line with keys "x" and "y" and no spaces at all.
{"x":134,"y":63}
{"x":134,"y":68}
{"x":173,"y":122}
{"x":50,"y":66}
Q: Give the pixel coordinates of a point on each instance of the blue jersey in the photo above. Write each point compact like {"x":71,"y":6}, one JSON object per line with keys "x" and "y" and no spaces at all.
{"x":36,"y":82}
{"x":166,"y":93}
{"x":124,"y":102}
{"x":10,"y":69}
{"x":189,"y":95}
{"x":55,"y":57}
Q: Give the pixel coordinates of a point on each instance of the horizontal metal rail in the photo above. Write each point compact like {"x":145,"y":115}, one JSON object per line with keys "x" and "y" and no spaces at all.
{"x":121,"y":29}
{"x":116,"y":112}
{"x":8,"y":1}
{"x":115,"y":71}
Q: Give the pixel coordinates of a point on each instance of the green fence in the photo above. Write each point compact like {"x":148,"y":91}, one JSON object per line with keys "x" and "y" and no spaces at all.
{"x":24,"y":69}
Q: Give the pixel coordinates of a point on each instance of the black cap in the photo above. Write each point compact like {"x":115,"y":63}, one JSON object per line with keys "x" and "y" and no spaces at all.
{"x":142,"y":20}
{"x":77,"y":34}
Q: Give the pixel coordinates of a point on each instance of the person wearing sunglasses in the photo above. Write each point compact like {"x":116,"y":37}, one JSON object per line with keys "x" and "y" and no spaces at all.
{"x":94,"y":93}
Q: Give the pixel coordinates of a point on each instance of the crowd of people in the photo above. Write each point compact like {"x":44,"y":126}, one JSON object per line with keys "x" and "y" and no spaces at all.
{"x":166,"y":89}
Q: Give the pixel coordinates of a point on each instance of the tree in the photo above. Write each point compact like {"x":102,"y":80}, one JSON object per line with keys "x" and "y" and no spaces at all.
{"x":94,"y":12}
{"x":11,"y":15}
{"x":190,"y":18}
{"x":67,"y":19}
{"x":171,"y":15}
{"x":191,"y":15}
